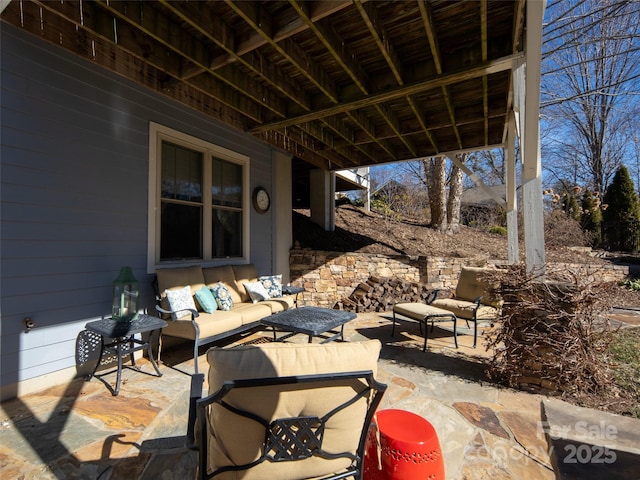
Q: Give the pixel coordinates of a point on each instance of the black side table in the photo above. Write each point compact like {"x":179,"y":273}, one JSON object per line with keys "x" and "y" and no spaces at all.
{"x":291,"y":290}
{"x":124,"y":341}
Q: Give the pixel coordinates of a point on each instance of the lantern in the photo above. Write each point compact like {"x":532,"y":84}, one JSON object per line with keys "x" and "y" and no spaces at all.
{"x":125,"y":296}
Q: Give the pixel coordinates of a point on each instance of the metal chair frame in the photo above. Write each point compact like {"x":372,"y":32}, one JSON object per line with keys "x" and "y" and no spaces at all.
{"x":297,"y":438}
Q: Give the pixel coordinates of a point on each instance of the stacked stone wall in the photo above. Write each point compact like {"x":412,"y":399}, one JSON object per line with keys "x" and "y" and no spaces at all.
{"x":327,"y":277}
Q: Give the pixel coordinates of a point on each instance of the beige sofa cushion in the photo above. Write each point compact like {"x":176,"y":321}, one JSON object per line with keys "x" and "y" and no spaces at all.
{"x":177,"y":278}
{"x":279,"y":304}
{"x":209,"y":324}
{"x":244,"y":273}
{"x":224,"y":274}
{"x":236,"y":440}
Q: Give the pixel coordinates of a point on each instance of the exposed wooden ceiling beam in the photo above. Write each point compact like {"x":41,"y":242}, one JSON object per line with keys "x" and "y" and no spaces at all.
{"x":326,"y":76}
{"x":143,"y":16}
{"x":437,"y":81}
{"x":319,"y":10}
{"x":338,"y":49}
{"x":258,"y":19}
{"x":370,"y":16}
{"x":68,"y":28}
{"x":222,"y":35}
{"x":485,"y":80}
{"x":427,"y":20}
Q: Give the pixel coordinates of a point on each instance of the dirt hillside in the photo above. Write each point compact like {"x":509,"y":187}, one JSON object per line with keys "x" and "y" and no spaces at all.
{"x":370,"y":232}
{"x":362,"y":231}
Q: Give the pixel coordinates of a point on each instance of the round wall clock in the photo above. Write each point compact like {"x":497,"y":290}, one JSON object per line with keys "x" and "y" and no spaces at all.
{"x":261,"y":200}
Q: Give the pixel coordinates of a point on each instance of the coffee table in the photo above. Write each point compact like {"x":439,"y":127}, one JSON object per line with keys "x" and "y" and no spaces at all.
{"x":312,"y":321}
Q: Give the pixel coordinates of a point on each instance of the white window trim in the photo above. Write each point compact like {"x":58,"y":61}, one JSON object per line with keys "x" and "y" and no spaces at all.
{"x":158,"y":133}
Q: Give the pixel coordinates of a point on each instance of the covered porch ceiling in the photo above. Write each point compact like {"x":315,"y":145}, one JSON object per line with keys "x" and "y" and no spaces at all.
{"x":338,"y":84}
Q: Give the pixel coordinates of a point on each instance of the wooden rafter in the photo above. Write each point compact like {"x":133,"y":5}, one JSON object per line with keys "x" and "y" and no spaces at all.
{"x":425,"y":13}
{"x":341,"y":83}
{"x":437,"y":81}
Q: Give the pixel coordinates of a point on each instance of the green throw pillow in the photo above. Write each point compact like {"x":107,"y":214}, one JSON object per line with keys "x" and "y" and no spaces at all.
{"x":206,"y":300}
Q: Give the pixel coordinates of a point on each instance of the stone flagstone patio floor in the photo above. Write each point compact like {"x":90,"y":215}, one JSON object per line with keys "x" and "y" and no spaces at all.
{"x":80,"y":431}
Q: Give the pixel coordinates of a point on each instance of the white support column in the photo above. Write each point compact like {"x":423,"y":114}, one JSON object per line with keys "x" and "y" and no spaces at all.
{"x":322,"y":195}
{"x":512,"y":199}
{"x":282,"y":224}
{"x":367,"y":199}
{"x":531,"y":164}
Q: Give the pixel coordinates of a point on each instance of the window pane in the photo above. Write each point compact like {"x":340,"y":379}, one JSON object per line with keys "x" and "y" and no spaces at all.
{"x":181,"y":231}
{"x":181,"y":173}
{"x":227,"y":233}
{"x":226,"y":183}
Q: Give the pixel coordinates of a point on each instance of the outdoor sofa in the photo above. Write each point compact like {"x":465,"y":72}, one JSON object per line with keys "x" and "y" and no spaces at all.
{"x":202,"y":323}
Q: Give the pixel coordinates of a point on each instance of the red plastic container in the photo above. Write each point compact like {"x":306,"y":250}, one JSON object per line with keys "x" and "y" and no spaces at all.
{"x":409,"y":448}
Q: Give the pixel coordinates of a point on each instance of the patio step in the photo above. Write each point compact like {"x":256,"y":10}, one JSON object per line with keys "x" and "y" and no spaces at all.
{"x":590,"y":444}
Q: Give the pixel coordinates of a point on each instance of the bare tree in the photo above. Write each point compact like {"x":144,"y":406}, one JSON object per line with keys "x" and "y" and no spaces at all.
{"x":590,"y":85}
{"x":435,"y":172}
{"x":489,"y":165}
{"x":455,"y":196}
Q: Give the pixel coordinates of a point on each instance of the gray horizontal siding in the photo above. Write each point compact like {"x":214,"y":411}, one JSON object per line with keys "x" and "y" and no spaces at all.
{"x":74,"y":193}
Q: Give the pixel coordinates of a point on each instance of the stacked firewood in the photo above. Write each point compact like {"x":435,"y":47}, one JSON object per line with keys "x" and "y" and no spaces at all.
{"x":379,"y":294}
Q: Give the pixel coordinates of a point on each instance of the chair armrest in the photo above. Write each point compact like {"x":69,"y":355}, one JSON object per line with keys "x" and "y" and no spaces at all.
{"x":432,"y":296}
{"x":194,"y":313}
{"x":435,"y":294}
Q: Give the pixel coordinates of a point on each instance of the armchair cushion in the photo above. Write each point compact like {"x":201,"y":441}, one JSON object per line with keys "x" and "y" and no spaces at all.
{"x":464,"y":309}
{"x":236,"y":440}
{"x":472,"y":285}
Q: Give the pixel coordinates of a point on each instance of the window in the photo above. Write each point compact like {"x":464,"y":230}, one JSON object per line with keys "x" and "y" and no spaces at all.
{"x":199,"y":193}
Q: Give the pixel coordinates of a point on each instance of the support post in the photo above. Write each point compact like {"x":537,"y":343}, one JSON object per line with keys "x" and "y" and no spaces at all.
{"x":531,"y":163}
{"x":283,"y":229}
{"x":512,"y":199}
{"x":322,"y":198}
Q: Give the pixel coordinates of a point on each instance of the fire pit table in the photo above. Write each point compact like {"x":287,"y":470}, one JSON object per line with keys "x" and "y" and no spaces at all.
{"x":311,"y":321}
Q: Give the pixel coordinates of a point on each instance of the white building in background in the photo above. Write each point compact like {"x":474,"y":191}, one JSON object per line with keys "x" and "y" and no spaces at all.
{"x":355,"y":179}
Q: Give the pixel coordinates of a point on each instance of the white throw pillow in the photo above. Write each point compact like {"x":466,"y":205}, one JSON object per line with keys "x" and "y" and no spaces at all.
{"x":256,"y":291}
{"x":180,"y":299}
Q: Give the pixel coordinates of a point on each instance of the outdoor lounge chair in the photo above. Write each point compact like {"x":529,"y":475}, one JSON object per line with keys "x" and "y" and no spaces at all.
{"x":472,"y":300}
{"x":288,"y":411}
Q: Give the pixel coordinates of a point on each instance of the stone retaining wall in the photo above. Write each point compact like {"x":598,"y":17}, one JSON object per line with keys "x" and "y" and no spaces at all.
{"x":328,"y":277}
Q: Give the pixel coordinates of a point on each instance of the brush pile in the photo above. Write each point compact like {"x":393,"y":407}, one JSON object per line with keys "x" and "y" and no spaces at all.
{"x":552,"y":333}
